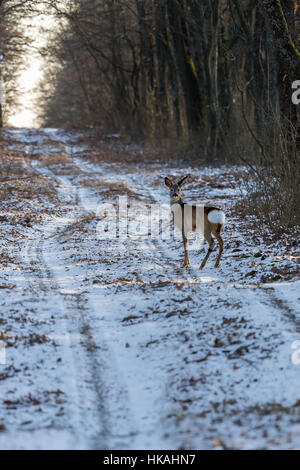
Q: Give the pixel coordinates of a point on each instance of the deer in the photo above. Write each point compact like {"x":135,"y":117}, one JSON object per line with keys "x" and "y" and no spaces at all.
{"x":195,"y":218}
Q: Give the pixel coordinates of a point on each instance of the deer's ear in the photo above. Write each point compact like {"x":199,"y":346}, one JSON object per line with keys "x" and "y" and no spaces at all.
{"x":168,"y":182}
{"x":183,"y":181}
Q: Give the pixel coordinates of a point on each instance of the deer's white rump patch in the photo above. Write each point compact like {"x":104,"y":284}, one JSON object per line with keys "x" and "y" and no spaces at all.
{"x":216,"y":217}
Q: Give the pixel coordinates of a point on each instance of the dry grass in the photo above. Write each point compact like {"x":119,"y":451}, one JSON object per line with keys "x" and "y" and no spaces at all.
{"x":109,"y":188}
{"x":12,"y":166}
{"x":23,"y":192}
{"x":28,"y":187}
{"x":129,"y":152}
{"x":18,"y":179}
{"x":53,"y":160}
{"x":78,"y":226}
{"x":273,"y":179}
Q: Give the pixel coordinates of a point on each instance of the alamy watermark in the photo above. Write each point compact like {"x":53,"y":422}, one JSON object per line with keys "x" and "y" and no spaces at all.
{"x":147,"y":221}
{"x":2,"y":353}
{"x":296,"y":354}
{"x":296,"y":93}
{"x":2,"y":92}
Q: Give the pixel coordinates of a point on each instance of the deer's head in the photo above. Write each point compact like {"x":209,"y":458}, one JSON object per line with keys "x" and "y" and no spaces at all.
{"x":175,"y":188}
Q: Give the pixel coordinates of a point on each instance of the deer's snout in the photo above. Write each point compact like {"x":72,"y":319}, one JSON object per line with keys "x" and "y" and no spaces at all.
{"x":175,"y":193}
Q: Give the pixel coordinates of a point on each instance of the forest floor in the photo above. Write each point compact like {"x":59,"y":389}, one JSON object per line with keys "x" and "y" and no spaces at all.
{"x":106,"y":341}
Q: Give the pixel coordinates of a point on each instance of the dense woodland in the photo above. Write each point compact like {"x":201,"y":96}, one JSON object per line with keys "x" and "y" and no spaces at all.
{"x":172,"y":68}
{"x":213,"y":75}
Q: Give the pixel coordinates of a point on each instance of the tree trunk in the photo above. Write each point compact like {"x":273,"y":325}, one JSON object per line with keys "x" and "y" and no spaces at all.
{"x":288,"y":59}
{"x":185,"y":63}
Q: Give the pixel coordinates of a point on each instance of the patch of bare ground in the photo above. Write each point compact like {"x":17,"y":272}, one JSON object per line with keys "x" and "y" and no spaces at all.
{"x":79,"y":226}
{"x":59,"y":164}
{"x":25,"y":196}
{"x":27,"y":340}
{"x":13,"y":166}
{"x":272,"y":256}
{"x":28,"y":187}
{"x":107,"y":188}
{"x":54,"y":159}
{"x":112,"y":150}
{"x":55,"y":396}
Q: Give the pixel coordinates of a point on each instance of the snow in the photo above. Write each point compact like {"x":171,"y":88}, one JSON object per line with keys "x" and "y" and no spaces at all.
{"x":141,"y":353}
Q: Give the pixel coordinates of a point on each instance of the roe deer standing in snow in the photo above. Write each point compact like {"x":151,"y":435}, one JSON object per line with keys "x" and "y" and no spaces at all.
{"x":189,"y":218}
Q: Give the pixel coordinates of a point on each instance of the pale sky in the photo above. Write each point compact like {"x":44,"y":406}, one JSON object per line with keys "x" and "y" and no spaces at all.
{"x":26,"y":113}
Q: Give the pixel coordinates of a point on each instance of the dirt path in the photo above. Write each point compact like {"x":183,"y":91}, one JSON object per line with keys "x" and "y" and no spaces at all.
{"x":151,"y":355}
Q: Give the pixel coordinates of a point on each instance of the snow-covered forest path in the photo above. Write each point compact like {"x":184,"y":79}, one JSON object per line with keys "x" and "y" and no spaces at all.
{"x":111,"y":344}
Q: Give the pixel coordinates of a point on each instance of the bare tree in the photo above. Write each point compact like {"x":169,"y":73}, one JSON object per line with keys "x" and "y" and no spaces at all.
{"x":282,"y":21}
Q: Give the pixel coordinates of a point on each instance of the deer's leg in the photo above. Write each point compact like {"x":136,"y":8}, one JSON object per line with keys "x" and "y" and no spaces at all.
{"x":186,"y":250}
{"x":221,"y":244}
{"x":210,"y":240}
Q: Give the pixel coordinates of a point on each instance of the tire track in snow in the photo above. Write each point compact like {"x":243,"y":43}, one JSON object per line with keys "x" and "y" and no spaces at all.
{"x":45,"y":255}
{"x":87,"y":414}
{"x":133,"y":402}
